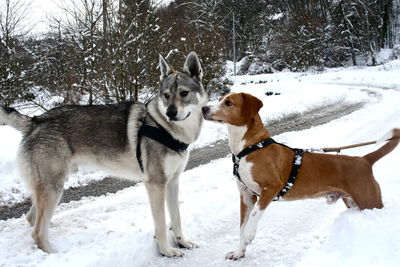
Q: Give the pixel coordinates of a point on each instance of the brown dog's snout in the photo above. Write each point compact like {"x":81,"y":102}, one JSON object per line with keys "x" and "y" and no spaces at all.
{"x":205,"y":109}
{"x":206,"y":112}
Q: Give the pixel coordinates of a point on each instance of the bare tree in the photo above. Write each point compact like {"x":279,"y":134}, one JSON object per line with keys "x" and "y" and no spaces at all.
{"x":81,"y":27}
{"x":13,"y":18}
{"x":13,"y":56}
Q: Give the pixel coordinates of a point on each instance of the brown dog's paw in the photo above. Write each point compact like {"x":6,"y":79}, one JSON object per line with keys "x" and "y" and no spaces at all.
{"x":234,"y":255}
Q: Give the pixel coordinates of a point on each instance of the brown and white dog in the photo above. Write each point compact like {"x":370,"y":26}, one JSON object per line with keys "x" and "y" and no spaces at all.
{"x":266,"y":171}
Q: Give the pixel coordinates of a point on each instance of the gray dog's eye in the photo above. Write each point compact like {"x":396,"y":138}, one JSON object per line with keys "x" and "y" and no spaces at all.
{"x":184,"y":93}
{"x":166,"y":96}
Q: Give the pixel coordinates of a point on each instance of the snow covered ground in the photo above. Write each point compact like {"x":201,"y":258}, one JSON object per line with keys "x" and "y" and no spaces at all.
{"x":117,"y":229}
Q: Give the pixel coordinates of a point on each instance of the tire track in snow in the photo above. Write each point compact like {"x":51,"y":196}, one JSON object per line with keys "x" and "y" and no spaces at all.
{"x":285,"y":234}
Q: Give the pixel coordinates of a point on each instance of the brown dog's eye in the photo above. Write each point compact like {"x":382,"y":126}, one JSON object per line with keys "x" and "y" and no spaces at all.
{"x":166,"y":96}
{"x":184,"y":93}
{"x":228,"y":103}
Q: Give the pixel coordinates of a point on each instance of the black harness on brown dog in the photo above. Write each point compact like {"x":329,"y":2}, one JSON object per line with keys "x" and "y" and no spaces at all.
{"x":297,"y":160}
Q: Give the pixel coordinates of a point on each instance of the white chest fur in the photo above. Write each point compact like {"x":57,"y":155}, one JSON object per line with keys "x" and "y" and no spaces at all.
{"x":246,"y":176}
{"x":236,"y":143}
{"x":174,"y":164}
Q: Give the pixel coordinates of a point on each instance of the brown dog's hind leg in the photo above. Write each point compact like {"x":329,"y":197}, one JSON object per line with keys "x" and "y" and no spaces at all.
{"x":349,"y":202}
{"x":367,"y":195}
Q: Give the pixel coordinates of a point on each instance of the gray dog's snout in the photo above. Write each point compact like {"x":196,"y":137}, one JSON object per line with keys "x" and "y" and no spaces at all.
{"x":172,"y":112}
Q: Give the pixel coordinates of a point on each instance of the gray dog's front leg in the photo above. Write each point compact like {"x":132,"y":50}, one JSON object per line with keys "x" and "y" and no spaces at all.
{"x":173,"y":207}
{"x":156,"y":193}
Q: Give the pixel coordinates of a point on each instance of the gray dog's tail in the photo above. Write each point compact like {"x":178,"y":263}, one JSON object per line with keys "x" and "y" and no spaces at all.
{"x":10,"y":116}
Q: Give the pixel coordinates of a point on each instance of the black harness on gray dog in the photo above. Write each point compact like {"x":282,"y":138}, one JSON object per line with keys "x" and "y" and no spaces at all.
{"x":297,"y":160}
{"x":160,"y":135}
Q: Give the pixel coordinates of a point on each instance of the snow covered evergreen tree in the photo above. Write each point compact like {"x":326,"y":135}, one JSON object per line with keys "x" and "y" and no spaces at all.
{"x":134,"y":46}
{"x":196,"y":26}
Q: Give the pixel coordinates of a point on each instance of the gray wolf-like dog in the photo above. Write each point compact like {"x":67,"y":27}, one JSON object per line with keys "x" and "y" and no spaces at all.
{"x":107,"y":136}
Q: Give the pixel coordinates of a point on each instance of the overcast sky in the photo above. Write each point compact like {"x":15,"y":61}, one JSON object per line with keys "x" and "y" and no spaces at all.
{"x":42,"y":9}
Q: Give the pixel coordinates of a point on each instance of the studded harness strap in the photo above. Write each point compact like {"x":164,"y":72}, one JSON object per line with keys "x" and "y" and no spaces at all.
{"x":297,"y":160}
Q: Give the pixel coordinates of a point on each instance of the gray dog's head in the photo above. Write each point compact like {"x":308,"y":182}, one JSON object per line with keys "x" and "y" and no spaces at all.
{"x":181,"y":93}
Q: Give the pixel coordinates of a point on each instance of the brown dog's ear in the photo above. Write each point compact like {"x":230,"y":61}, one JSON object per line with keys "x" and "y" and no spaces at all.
{"x":251,"y":106}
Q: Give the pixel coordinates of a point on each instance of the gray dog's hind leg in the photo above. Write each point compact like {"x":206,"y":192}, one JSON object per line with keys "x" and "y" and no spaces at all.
{"x":31,"y":215}
{"x":45,"y":201}
{"x":46,"y":180}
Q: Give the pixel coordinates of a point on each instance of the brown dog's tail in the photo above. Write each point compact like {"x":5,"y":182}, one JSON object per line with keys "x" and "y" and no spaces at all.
{"x":393,"y":141}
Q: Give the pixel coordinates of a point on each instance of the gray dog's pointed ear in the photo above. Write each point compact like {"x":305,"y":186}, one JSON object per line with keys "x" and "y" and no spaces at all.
{"x":165,"y":68}
{"x":192,"y":66}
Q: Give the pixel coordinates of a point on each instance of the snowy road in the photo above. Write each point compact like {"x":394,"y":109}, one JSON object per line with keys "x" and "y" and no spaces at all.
{"x":117,"y":229}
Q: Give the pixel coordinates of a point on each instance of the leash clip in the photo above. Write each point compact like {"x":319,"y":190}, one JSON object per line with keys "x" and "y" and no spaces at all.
{"x":315,"y":150}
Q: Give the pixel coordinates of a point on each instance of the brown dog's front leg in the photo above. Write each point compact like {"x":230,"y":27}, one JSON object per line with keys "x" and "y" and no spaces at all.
{"x":249,"y":227}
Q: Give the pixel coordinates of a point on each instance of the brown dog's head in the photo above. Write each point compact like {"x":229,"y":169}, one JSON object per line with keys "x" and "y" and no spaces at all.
{"x":235,"y":109}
